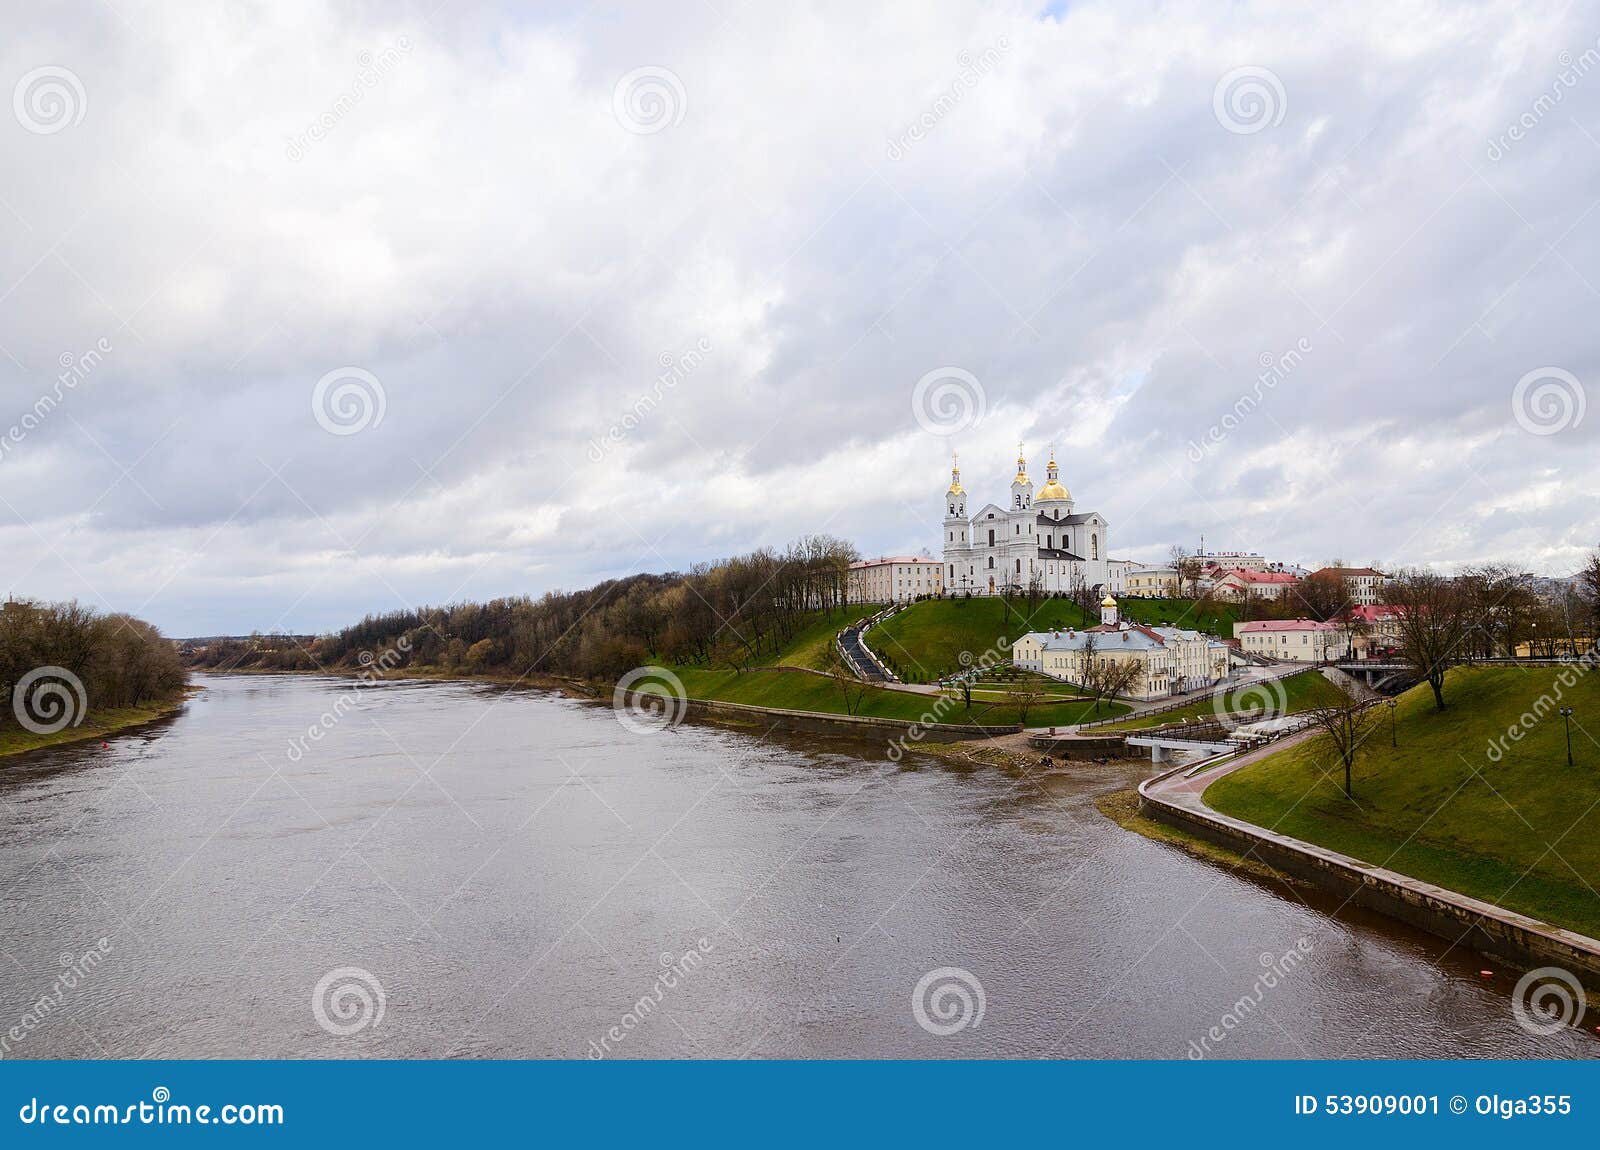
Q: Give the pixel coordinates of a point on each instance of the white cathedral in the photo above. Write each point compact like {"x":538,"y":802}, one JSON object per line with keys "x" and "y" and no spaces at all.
{"x":1036,"y":536}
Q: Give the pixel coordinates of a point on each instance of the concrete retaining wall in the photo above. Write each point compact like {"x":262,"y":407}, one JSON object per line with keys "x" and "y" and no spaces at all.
{"x":1446,"y":913}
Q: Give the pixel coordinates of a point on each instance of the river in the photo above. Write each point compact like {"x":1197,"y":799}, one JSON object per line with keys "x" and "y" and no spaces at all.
{"x":465,"y":871}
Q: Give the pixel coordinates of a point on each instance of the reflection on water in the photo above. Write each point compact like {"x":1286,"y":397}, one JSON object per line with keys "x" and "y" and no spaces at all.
{"x":451,"y":870}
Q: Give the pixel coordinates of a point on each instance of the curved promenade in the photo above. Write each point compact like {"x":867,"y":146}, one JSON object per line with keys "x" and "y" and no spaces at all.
{"x":1176,"y":798}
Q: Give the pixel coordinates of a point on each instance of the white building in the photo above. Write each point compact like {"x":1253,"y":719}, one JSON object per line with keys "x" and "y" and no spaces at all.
{"x":1030,"y":538}
{"x":894,"y":579}
{"x":1296,"y":640}
{"x":1362,"y":585}
{"x":1117,"y":575}
{"x":1170,"y":660}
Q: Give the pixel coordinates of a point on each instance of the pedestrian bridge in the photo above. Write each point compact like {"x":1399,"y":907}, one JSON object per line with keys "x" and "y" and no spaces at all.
{"x":1160,"y":745}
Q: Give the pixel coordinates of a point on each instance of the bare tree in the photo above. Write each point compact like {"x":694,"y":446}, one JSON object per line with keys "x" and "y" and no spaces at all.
{"x":852,"y":689}
{"x":1503,"y":609}
{"x":1035,"y":591}
{"x":1589,"y":589}
{"x":1186,"y":570}
{"x":1345,"y":723}
{"x":1023,"y":696}
{"x":1435,"y":613}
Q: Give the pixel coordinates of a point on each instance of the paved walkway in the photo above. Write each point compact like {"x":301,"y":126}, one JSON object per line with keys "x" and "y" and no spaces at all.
{"x":1183,"y":791}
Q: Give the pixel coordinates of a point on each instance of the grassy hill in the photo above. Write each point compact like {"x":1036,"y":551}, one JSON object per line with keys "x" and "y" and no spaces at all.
{"x":925,"y":641}
{"x":1300,"y":693}
{"x":1523,"y":831}
{"x":807,"y":648}
{"x":800,"y":691}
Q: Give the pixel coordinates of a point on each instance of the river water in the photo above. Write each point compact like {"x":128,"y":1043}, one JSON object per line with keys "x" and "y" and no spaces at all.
{"x":472,"y":872}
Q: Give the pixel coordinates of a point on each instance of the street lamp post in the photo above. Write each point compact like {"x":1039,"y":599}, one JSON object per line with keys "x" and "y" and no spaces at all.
{"x":1566,"y":718}
{"x":1394,"y":739}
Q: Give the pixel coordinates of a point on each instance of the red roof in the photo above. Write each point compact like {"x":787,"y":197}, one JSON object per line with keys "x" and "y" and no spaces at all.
{"x":895,"y":559}
{"x":1286,"y":625}
{"x":1350,"y":571}
{"x":1262,"y":576}
{"x":1374,"y":614}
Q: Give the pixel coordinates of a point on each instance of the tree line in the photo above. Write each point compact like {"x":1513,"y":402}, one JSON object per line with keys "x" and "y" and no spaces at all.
{"x":729,"y":613}
{"x":48,"y":651}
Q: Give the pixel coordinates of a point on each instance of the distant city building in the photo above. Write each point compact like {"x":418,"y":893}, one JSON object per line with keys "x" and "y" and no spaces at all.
{"x":1297,"y":640}
{"x":1117,"y":575}
{"x":1150,"y":583}
{"x":1374,"y":629}
{"x":1362,"y":585}
{"x":1235,"y":561}
{"x":1034,"y":539}
{"x":894,"y":579}
{"x":1244,"y":583}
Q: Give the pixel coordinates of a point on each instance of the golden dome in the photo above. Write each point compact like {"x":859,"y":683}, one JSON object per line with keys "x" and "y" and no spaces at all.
{"x":955,"y":487}
{"x":1108,"y":601}
{"x":1052,"y":490}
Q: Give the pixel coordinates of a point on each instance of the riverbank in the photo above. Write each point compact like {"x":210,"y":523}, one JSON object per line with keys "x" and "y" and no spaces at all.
{"x":100,"y":724}
{"x":1449,"y":798}
{"x":1122,"y":807}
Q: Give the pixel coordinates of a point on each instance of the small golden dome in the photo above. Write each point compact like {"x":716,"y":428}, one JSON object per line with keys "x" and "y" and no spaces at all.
{"x":1022,"y":477}
{"x":955,"y":487}
{"x":1108,"y":601}
{"x":1052,"y":491}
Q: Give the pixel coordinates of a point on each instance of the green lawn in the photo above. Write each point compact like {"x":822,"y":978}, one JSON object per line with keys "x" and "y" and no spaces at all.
{"x":97,"y":724}
{"x":1211,"y":617}
{"x":1441,"y":808}
{"x":1300,"y":692}
{"x":803,"y":692}
{"x":926,"y":640}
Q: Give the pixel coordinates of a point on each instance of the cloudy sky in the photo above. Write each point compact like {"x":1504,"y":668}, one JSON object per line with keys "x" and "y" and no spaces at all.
{"x":369,"y":305}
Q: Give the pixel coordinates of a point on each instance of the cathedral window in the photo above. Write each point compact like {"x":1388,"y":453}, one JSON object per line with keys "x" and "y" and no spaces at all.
{"x":1094,"y":546}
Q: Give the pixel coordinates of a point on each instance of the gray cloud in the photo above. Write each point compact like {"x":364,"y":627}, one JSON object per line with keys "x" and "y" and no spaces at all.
{"x":253,"y":200}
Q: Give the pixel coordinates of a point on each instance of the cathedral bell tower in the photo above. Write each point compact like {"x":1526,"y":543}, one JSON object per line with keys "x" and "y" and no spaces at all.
{"x":1021,"y":486}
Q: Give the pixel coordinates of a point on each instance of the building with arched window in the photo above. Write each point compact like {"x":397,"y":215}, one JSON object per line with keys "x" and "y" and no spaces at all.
{"x":1032,"y":539}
